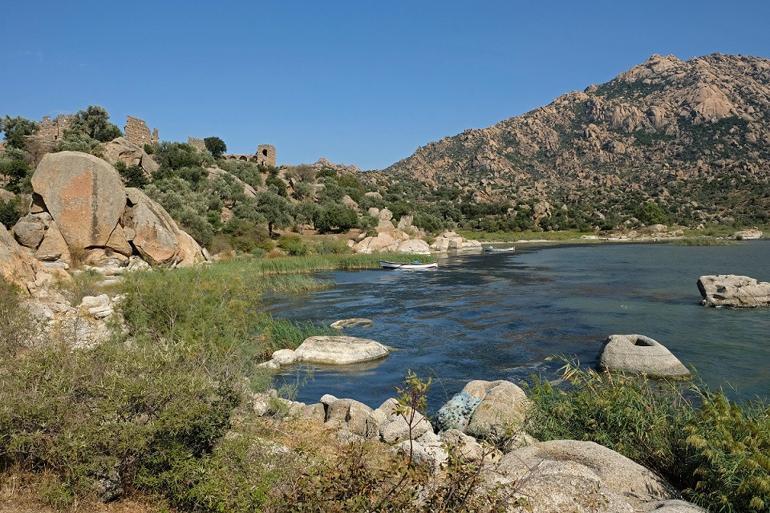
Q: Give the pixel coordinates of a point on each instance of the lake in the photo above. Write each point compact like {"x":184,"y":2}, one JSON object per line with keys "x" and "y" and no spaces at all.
{"x":504,"y":316}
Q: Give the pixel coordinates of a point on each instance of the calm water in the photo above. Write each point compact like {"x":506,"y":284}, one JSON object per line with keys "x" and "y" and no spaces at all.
{"x":502,"y":316}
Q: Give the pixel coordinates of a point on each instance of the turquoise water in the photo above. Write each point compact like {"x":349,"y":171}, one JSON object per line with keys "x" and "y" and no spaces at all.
{"x":502,"y":316}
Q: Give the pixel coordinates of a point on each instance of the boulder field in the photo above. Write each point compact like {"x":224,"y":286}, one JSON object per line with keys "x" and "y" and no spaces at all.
{"x":540,"y":477}
{"x":81,"y":214}
{"x":406,"y":238}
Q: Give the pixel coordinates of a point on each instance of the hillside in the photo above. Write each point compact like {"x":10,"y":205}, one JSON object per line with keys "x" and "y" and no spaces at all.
{"x":692,"y":136}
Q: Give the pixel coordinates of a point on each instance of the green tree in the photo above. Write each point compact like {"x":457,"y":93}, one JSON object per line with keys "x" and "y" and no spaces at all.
{"x":216,"y":146}
{"x":16,"y":170}
{"x":16,"y":130}
{"x":275,"y":209}
{"x":94,"y":122}
{"x":652,"y":213}
{"x":335,"y":216}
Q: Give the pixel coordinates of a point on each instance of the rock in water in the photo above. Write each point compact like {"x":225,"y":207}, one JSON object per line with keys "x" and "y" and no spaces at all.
{"x":638,"y":354}
{"x":83,"y":193}
{"x":339,"y":350}
{"x":735,"y":291}
{"x":347,"y":323}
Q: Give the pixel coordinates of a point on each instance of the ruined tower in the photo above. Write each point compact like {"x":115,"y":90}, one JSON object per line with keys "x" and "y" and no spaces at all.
{"x":137,"y":132}
{"x":266,"y":155}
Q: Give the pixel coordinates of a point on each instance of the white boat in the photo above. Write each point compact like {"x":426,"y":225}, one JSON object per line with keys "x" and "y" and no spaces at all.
{"x":490,"y":249}
{"x":414,"y":266}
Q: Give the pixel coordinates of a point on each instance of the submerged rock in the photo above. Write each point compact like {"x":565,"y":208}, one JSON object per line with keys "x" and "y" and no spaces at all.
{"x":638,"y":354}
{"x":348,"y":323}
{"x":734,"y":291}
{"x":340,"y":350}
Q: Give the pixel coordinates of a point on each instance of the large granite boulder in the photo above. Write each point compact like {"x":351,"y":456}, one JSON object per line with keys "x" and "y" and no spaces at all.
{"x":485,"y":409}
{"x":121,"y":149}
{"x":734,"y":291}
{"x":451,"y":241}
{"x":750,"y":234}
{"x":83,"y":193}
{"x":579,"y":477}
{"x":53,"y":247}
{"x":16,"y":264}
{"x":30,"y":229}
{"x":637,"y":354}
{"x":396,"y":423}
{"x":501,"y":411}
{"x":414,"y":246}
{"x":339,"y":350}
{"x":155,"y":235}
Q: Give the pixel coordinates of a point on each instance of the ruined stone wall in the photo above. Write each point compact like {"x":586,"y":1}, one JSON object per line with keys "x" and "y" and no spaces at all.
{"x":266,"y":155}
{"x":197,"y":143}
{"x":137,"y":132}
{"x":48,"y":134}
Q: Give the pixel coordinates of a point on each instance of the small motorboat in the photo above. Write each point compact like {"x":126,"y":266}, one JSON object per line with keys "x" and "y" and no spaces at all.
{"x":413,"y":266}
{"x":491,"y":249}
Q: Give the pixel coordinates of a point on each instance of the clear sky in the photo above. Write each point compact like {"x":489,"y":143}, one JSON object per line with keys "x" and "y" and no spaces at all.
{"x":359,"y":82}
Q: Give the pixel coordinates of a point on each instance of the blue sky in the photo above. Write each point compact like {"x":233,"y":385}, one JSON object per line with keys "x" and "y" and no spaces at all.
{"x":359,"y":82}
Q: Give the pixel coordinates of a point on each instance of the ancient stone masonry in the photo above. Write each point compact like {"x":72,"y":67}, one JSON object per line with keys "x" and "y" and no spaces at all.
{"x":49,"y":132}
{"x":137,"y":132}
{"x":197,"y":143}
{"x":265,"y":156}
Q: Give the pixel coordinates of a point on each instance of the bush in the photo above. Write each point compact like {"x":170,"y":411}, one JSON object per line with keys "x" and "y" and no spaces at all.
{"x":173,"y":156}
{"x":16,"y":169}
{"x":711,"y":448}
{"x":10,"y":212}
{"x":293,"y":245}
{"x":335,"y":217}
{"x":17,"y":327}
{"x":16,"y":130}
{"x":133,"y":176}
{"x":94,"y":123}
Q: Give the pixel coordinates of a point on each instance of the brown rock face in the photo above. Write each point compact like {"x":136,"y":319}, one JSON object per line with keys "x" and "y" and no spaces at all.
{"x":83,"y":193}
{"x":53,"y":247}
{"x":16,"y":265}
{"x":155,"y":234}
{"x":122,"y":150}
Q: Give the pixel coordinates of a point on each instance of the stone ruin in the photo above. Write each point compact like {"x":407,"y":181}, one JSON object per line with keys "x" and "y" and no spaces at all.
{"x":197,"y":143}
{"x":49,"y":132}
{"x":265,"y":156}
{"x":137,"y":132}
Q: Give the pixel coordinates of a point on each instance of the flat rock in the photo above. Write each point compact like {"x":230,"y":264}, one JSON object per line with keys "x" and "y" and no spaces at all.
{"x":638,"y":354}
{"x":349,"y":323}
{"x":734,"y":291}
{"x":284,"y":357}
{"x":83,"y":193}
{"x":339,"y":350}
{"x":579,"y":477}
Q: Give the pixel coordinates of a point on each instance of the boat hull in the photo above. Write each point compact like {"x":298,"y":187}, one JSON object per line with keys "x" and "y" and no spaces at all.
{"x":407,"y":267}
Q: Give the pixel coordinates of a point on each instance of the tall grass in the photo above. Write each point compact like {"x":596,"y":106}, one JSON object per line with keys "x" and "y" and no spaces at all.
{"x":714,"y":450}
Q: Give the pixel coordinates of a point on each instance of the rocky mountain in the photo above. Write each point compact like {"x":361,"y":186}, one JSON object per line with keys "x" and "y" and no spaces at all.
{"x":692,"y":136}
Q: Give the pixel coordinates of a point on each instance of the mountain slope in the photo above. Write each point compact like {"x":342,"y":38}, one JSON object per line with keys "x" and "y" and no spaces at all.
{"x":693,"y":136}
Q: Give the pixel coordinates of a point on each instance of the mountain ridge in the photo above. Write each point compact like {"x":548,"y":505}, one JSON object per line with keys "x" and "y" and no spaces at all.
{"x":664,"y":130}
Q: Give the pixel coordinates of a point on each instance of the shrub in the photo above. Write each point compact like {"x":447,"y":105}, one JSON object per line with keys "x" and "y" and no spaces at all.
{"x":16,"y":169}
{"x":293,"y":245}
{"x":173,"y":156}
{"x":16,"y":130}
{"x":17,"y":326}
{"x":711,"y":448}
{"x":10,"y":212}
{"x":133,"y":176}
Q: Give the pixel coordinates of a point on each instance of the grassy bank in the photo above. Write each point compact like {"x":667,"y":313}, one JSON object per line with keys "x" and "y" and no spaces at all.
{"x":562,"y":235}
{"x":714,"y":450}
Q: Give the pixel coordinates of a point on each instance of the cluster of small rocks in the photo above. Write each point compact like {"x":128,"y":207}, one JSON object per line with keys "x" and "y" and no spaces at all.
{"x":549,"y":477}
